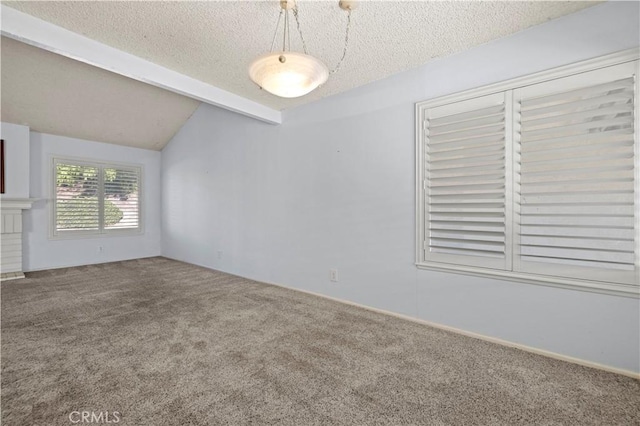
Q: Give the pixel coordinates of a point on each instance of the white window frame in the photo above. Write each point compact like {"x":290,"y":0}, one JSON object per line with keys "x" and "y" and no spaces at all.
{"x":421,"y":211}
{"x":54,"y":234}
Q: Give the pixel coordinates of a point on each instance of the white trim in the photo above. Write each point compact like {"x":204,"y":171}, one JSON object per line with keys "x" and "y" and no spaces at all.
{"x":502,"y":342}
{"x":420,"y":185}
{"x":9,"y":276}
{"x":75,"y":265}
{"x":16,"y":203}
{"x":508,"y":180}
{"x":519,"y":82}
{"x":101,"y":203}
{"x":529,"y":278}
{"x":45,"y":35}
{"x":637,"y":151}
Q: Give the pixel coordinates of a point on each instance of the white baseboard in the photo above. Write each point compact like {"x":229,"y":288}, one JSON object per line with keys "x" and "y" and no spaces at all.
{"x":75,"y":265}
{"x":8,"y":276}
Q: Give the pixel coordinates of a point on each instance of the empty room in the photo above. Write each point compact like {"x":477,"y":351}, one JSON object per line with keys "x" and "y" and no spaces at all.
{"x":320,"y":212}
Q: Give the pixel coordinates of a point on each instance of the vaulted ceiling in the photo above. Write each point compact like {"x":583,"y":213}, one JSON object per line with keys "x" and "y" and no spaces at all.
{"x":57,"y":95}
{"x":214,"y":42}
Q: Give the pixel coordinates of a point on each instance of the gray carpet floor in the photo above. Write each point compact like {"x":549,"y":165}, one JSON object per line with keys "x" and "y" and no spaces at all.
{"x":166,"y":343}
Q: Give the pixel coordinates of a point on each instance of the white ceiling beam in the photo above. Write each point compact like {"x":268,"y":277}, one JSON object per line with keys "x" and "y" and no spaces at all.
{"x":36,"y":32}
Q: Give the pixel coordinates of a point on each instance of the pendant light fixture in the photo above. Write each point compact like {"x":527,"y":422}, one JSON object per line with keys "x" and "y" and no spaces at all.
{"x":292,"y":74}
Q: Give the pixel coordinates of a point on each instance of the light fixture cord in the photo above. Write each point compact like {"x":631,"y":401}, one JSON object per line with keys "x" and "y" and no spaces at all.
{"x":346,"y":43}
{"x":288,"y":30}
{"x":284,"y":31}
{"x":275,"y":33}
{"x":295,"y":15}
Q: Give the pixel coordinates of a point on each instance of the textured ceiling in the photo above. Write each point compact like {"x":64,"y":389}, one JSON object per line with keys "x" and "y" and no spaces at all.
{"x":57,"y":95}
{"x":215,"y":41}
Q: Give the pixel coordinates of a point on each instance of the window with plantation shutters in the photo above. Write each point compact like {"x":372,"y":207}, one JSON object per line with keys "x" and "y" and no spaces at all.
{"x":465,"y":182}
{"x":94,"y":198}
{"x":535,"y":179}
{"x":575,"y":163}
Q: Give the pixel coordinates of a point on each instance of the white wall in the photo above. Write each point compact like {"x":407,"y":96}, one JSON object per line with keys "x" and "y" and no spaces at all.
{"x":16,"y":150}
{"x":333,"y":187}
{"x":41,"y":252}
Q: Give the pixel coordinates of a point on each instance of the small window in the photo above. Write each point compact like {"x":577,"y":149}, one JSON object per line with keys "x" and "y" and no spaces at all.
{"x":94,"y":198}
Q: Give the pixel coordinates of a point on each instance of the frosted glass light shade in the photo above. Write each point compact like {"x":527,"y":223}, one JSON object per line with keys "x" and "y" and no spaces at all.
{"x":298,"y":75}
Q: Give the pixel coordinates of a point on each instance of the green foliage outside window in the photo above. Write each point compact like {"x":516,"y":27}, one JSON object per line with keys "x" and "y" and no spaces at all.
{"x":118,"y":183}
{"x":68,"y":212}
{"x":83,"y":179}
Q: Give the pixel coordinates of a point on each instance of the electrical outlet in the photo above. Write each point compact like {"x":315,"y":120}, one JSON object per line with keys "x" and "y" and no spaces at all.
{"x":333,"y":275}
{"x":220,"y":253}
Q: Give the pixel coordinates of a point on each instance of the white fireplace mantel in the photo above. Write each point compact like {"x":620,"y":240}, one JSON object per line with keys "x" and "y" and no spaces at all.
{"x":11,"y":236}
{"x":16,"y":203}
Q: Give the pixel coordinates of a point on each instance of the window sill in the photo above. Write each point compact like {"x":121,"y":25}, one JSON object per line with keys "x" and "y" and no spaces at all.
{"x":566,"y":283}
{"x":88,"y":235}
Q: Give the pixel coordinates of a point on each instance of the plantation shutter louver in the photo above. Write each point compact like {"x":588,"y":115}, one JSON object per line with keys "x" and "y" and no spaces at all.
{"x":575,"y":176}
{"x":465,"y":185}
{"x":77,"y":203}
{"x":121,"y":189}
